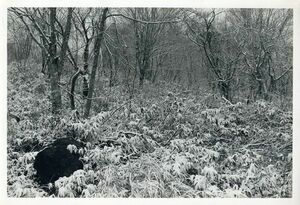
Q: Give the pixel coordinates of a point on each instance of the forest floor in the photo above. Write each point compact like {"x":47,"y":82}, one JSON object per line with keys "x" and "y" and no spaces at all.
{"x":165,"y":142}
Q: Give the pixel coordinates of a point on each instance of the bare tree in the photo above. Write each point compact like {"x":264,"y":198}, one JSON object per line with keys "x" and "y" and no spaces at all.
{"x":100,"y":27}
{"x":148,"y":24}
{"x":267,"y":48}
{"x":48,"y":43}
{"x":19,"y":42}
{"x":214,"y":39}
{"x":231,"y":50}
{"x":84,"y":24}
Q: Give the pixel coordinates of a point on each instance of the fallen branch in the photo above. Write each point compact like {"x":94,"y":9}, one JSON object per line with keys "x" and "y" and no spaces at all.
{"x":227,"y":101}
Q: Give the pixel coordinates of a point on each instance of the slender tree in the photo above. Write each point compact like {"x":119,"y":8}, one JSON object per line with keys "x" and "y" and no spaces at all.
{"x":100,"y":27}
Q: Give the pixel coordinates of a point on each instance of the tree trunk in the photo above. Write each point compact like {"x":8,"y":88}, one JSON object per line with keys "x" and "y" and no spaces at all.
{"x":225,"y":90}
{"x":56,"y":64}
{"x":86,"y":56}
{"x":44,"y":43}
{"x":76,"y":75}
{"x":98,"y":40}
{"x":79,"y":72}
{"x":111,"y":63}
{"x":64,"y":46}
{"x":142,"y":76}
{"x":73,"y":83}
{"x":53,"y":66}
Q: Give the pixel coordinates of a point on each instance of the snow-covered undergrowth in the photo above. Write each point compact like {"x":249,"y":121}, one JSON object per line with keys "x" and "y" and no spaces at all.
{"x":165,"y":142}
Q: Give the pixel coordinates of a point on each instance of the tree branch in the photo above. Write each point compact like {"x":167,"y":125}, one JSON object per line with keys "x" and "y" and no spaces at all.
{"x":29,"y":30}
{"x":283,"y":74}
{"x":145,"y":22}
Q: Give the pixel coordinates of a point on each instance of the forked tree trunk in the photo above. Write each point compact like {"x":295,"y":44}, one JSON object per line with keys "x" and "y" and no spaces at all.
{"x":56,"y":63}
{"x":98,"y":40}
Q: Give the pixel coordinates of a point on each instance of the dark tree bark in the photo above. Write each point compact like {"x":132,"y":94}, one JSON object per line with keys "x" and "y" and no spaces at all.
{"x":84,"y":32}
{"x":44,"y":43}
{"x":64,"y":46}
{"x":73,"y":83}
{"x":98,"y":40}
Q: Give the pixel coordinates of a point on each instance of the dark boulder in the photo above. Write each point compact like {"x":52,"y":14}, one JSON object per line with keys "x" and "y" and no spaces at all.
{"x":57,"y":161}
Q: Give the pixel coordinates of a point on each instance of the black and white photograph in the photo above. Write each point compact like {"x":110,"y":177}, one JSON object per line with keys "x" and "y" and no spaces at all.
{"x":149,"y":102}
